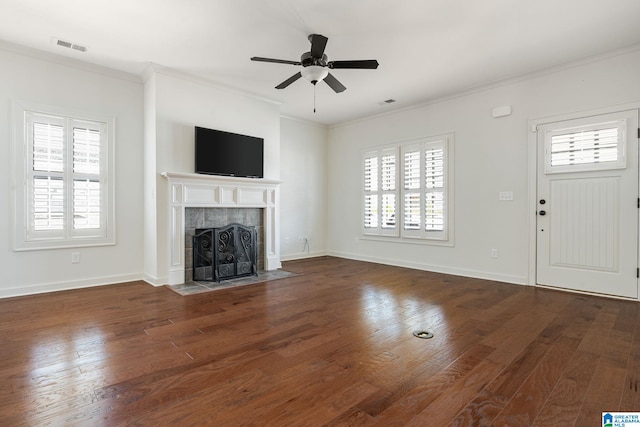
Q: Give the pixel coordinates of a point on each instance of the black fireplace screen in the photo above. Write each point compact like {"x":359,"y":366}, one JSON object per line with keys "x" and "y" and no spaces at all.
{"x":224,"y":252}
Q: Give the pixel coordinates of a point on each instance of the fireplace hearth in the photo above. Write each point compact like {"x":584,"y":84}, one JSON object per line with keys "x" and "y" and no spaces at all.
{"x":222,"y":253}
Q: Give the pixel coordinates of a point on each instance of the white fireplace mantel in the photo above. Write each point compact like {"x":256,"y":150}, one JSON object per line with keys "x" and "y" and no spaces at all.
{"x":188,"y":190}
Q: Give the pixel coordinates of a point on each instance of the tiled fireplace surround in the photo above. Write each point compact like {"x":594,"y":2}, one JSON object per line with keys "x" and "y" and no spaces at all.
{"x":202,"y":201}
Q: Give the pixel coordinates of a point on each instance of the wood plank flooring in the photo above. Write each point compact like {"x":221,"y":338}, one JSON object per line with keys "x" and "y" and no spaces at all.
{"x":330,"y":346}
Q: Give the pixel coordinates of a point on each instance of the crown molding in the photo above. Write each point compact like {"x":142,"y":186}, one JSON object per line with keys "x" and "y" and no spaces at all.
{"x":497,"y":83}
{"x":67,"y":62}
{"x":154,"y":68}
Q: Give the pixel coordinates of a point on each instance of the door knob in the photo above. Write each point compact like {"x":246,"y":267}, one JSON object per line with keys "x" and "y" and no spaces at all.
{"x":542,"y":213}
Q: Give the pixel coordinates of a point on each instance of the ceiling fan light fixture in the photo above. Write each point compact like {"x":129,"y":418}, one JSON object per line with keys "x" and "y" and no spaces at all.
{"x":314,"y":73}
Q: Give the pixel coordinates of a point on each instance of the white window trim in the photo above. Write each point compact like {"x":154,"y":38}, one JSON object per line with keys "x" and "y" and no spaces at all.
{"x":616,"y":120}
{"x":444,"y":238}
{"x":23,"y":236}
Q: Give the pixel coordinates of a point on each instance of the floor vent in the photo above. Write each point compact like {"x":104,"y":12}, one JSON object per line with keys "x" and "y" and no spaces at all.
{"x":423,"y":335}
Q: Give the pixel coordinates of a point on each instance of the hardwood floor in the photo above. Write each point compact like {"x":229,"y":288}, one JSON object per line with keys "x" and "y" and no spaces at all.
{"x":331,"y":346}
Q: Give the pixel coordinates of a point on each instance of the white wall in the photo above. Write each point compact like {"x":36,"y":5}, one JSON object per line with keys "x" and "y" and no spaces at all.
{"x":180,"y":104}
{"x":303,"y":192}
{"x":23,"y":76}
{"x":320,"y":194}
{"x":490,"y":156}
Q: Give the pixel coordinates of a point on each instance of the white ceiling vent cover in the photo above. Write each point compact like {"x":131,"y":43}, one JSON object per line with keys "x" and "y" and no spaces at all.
{"x":69,"y":45}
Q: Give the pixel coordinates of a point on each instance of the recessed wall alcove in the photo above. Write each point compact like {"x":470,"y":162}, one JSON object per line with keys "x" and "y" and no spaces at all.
{"x":221,"y":198}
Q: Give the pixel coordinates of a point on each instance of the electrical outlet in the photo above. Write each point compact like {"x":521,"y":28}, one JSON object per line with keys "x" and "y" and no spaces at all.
{"x":494,"y":253}
{"x":75,"y":257}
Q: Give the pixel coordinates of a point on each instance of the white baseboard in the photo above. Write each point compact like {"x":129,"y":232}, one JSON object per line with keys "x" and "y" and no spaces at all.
{"x":302,"y":255}
{"x":155,"y":281}
{"x":517,"y":280}
{"x":67,"y":285}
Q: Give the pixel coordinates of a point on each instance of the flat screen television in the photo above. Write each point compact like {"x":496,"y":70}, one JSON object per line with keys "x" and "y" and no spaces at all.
{"x":224,"y":153}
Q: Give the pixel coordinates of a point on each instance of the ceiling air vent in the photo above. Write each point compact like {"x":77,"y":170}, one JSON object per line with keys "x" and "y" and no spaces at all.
{"x":63,"y":43}
{"x":387,"y":101}
{"x":79,"y":47}
{"x":69,"y":45}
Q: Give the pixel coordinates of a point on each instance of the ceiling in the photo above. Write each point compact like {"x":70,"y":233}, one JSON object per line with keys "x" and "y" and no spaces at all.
{"x":427,"y":49}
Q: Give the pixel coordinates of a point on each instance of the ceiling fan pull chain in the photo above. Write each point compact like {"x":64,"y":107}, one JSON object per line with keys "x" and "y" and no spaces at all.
{"x":314,"y":98}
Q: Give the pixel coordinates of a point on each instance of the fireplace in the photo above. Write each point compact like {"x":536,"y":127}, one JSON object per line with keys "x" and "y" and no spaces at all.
{"x":246,"y":201}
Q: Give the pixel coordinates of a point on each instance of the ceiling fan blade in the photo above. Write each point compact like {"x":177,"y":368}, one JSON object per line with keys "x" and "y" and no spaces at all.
{"x":318,"y":43}
{"x":290,"y":80}
{"x":277,"y":61}
{"x":334,"y":83}
{"x":368,"y":64}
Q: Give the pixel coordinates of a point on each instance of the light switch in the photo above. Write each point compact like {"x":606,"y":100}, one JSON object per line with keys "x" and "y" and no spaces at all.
{"x":505,"y":195}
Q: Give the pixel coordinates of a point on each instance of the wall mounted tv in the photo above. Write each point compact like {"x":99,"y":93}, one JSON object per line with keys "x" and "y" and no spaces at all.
{"x":230,"y":154}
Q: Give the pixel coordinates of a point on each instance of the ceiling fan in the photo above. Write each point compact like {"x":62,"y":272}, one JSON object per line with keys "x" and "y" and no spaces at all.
{"x":315,"y":66}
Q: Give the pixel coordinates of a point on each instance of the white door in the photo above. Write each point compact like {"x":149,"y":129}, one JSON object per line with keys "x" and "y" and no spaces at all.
{"x":587,"y":204}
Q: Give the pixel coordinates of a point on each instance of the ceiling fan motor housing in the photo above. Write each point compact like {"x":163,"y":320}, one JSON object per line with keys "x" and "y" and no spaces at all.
{"x":307,"y":59}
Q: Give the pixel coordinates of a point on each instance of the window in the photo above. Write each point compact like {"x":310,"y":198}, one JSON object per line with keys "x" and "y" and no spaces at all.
{"x":63,"y":193}
{"x":380,"y":187}
{"x":424,"y":190}
{"x":419,"y":207}
{"x":586,"y":147}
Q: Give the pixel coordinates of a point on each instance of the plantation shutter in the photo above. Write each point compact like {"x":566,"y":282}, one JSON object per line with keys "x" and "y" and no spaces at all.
{"x":423,"y":190}
{"x":406,"y":190}
{"x":65,"y":176}
{"x":371,"y":190}
{"x":388,"y":188}
{"x":412,"y":190}
{"x":434,"y":186}
{"x":48,"y":203}
{"x":380,"y":192}
{"x":46,"y":174}
{"x":86,"y":178}
{"x":590,"y":147}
